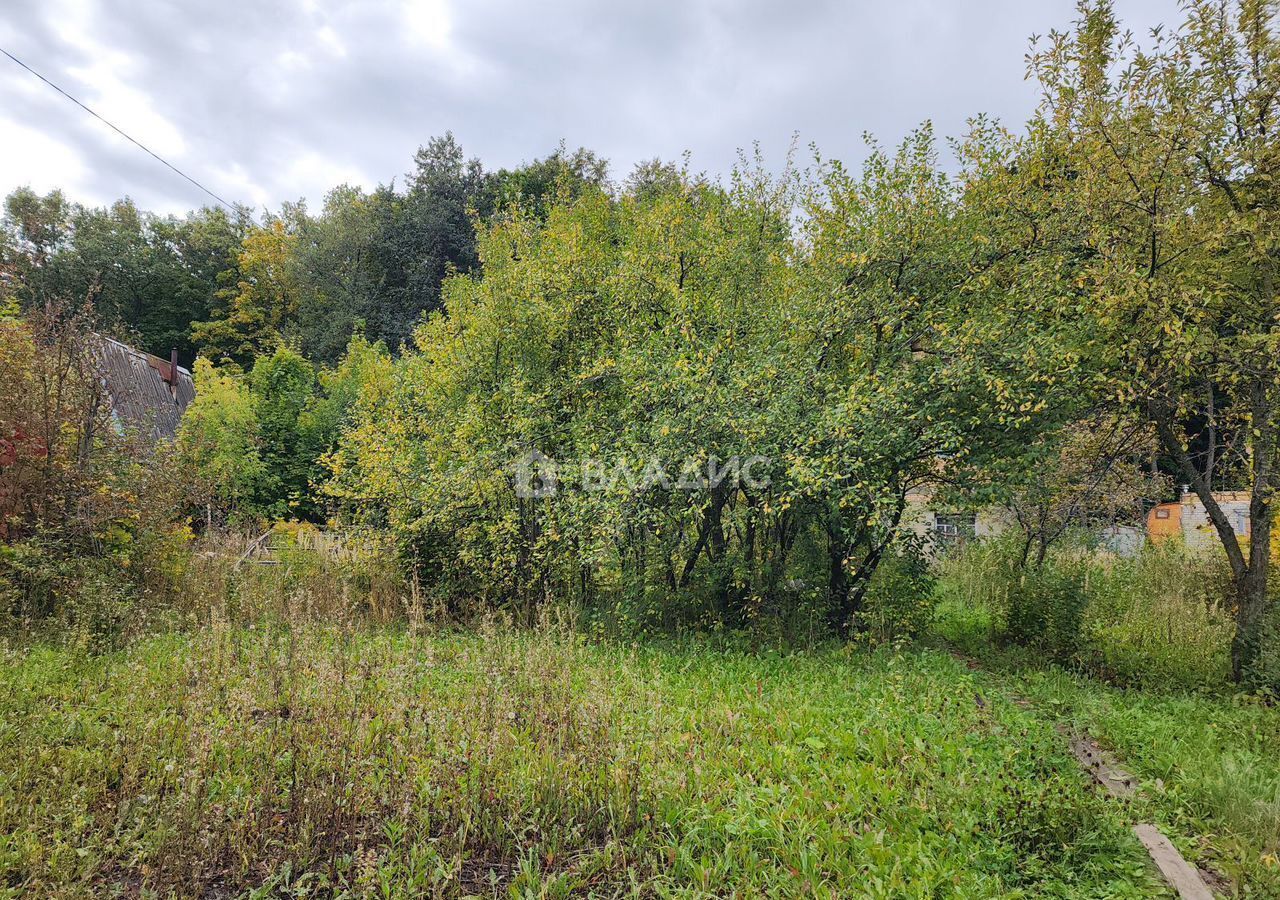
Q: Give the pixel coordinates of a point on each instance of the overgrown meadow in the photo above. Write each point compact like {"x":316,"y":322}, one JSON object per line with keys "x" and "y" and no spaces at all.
{"x":311,"y":762}
{"x":284,"y":743}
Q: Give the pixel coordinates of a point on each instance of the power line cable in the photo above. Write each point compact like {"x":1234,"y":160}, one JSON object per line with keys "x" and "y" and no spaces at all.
{"x":120,"y":132}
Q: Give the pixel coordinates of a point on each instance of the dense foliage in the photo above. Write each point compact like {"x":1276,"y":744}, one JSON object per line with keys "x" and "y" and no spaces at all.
{"x":644,"y":342}
{"x":1155,"y":172}
{"x":79,"y":496}
{"x":680,"y":402}
{"x":221,"y":284}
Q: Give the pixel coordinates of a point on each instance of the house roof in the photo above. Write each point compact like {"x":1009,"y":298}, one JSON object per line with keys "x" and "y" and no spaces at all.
{"x":148,"y":393}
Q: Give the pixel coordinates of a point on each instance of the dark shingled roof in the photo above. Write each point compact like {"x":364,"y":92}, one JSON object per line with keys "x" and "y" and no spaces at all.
{"x":145,"y":395}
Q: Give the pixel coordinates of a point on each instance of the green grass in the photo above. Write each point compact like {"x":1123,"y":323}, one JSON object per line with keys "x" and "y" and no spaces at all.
{"x":319,"y":761}
{"x":1157,"y":619}
{"x":1208,"y":760}
{"x":1209,"y":765}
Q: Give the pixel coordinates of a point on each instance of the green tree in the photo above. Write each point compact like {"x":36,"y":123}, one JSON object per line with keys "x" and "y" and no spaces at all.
{"x":37,"y":230}
{"x":656,"y":335}
{"x":283,"y":386}
{"x":39,"y":226}
{"x":336,"y":261}
{"x":219,"y":444}
{"x":422,"y":236}
{"x":262,"y":305}
{"x":146,"y":276}
{"x":205,"y":246}
{"x":1159,"y":173}
{"x":915,"y":369}
{"x":538,"y":185}
{"x":332,"y":408}
{"x":653,"y":178}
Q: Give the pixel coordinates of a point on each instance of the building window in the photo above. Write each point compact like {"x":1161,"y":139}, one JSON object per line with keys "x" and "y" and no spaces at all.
{"x":954,"y":527}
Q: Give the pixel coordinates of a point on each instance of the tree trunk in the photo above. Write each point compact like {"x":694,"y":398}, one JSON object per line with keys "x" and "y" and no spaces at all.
{"x":710,"y":519}
{"x":838,"y":550}
{"x":1251,"y":589}
{"x":848,"y":593}
{"x":862,"y":579}
{"x":711,"y":539}
{"x":1251,"y":597}
{"x":1249,"y":574}
{"x":717,"y":553}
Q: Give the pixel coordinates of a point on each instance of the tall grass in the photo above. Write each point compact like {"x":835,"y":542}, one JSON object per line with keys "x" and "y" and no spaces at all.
{"x":236,"y":758}
{"x":1159,"y":618}
{"x":306,"y":576}
{"x":317,"y":761}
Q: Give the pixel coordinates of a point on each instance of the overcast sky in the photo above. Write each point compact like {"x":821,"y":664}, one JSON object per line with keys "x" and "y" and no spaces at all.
{"x":272,"y":100}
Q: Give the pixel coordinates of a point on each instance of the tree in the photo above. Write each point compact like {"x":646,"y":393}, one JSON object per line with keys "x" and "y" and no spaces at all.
{"x":336,"y":261}
{"x":283,"y":386}
{"x":37,"y":229}
{"x":1161,"y":172}
{"x":144,"y":276}
{"x":219,"y":444}
{"x":916,"y":369}
{"x":1088,"y":474}
{"x":331,"y":410}
{"x":652,"y":178}
{"x":606,"y":331}
{"x":422,"y":236}
{"x":53,"y":407}
{"x":644,"y":342}
{"x":204,"y":248}
{"x":538,"y":185}
{"x":263,"y":303}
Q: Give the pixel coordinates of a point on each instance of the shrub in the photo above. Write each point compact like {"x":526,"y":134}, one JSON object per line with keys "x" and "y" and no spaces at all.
{"x":87,"y":504}
{"x":218,"y":445}
{"x":900,"y":599}
{"x":1046,"y":607}
{"x":90,"y":601}
{"x":57,"y":442}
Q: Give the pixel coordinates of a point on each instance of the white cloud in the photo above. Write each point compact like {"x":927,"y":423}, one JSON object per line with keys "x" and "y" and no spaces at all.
{"x":312,"y":168}
{"x":130,"y":110}
{"x":242,"y":186}
{"x":429,"y":22}
{"x":328,"y":38}
{"x":41,"y":161}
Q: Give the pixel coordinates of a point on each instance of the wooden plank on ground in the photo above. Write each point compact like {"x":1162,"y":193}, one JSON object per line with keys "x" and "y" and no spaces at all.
{"x":1176,"y":871}
{"x":1102,"y":766}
